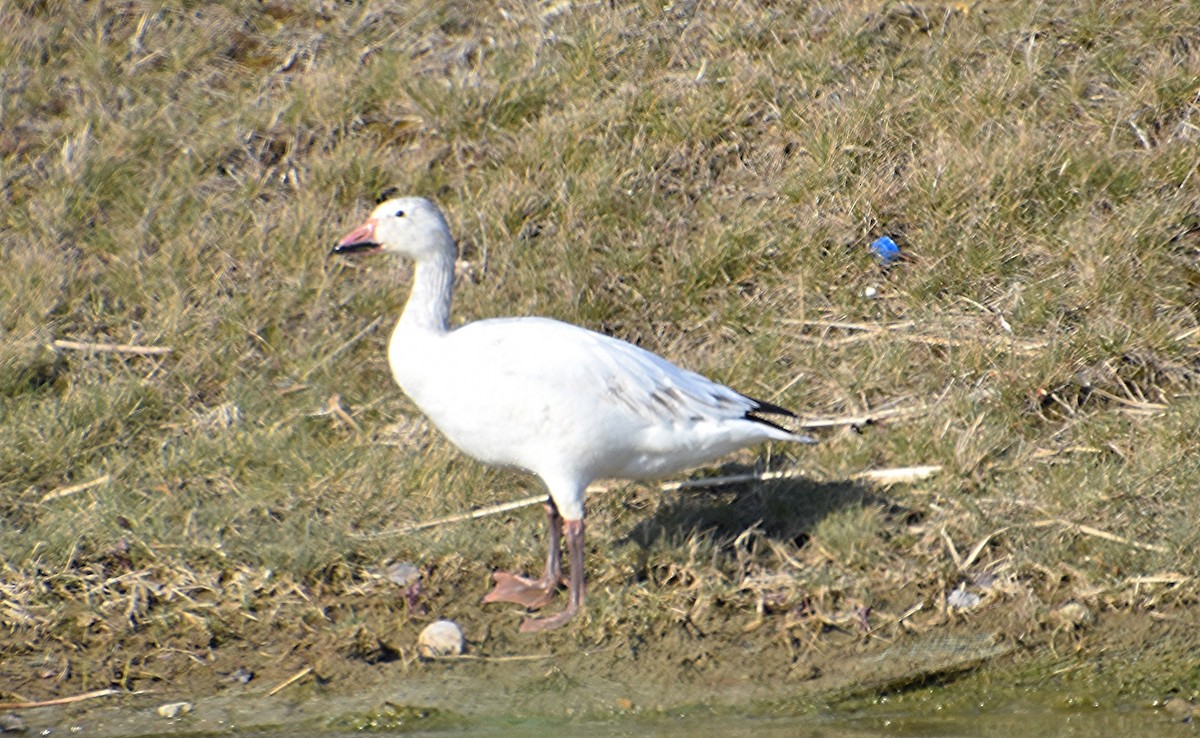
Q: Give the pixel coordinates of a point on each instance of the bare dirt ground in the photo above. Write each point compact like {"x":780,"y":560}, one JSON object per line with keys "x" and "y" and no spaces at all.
{"x":346,"y":661}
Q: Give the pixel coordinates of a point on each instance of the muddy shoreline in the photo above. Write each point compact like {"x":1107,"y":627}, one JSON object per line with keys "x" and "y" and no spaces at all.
{"x":678,"y":671}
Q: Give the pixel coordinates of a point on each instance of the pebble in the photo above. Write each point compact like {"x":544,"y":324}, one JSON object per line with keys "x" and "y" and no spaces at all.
{"x":10,"y":723}
{"x":1180,"y":709}
{"x":1071,"y":616}
{"x":403,"y":573}
{"x":961,"y":599}
{"x":440,"y":638}
{"x":174,"y":709}
{"x":240,"y":675}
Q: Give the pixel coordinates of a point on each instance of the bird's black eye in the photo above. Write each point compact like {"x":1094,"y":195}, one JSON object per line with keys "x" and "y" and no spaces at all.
{"x":399,"y":213}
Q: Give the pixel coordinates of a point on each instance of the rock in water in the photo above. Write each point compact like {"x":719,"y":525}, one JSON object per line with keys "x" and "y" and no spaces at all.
{"x":11,"y":723}
{"x":174,"y":709}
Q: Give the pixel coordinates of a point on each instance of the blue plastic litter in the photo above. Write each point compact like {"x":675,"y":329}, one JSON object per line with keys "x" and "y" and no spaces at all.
{"x":885,"y":249}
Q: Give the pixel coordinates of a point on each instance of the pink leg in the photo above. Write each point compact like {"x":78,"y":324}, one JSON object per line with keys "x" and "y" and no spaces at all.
{"x":533,"y":593}
{"x":554,"y":523}
{"x":575,"y":588}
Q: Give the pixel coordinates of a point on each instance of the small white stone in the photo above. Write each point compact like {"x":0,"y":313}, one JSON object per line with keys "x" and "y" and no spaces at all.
{"x":440,"y":638}
{"x":174,"y":709}
{"x":870,"y":292}
{"x":961,"y":599}
{"x":1071,"y":616}
{"x":402,"y":573}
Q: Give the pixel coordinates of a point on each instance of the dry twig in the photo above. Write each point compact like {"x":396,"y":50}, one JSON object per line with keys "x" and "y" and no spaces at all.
{"x":497,"y":659}
{"x":864,"y":418}
{"x":65,"y":491}
{"x":979,"y":548}
{"x":879,"y":476}
{"x":898,"y":475}
{"x":59,"y":700}
{"x":289,"y":681}
{"x":335,"y":408}
{"x":117,"y":348}
{"x":1170,"y":577}
{"x":898,"y":330}
{"x":1097,"y":533}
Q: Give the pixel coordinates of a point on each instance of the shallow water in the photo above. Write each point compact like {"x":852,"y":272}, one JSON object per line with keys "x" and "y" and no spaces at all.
{"x":1023,"y":720}
{"x":1035,"y":714}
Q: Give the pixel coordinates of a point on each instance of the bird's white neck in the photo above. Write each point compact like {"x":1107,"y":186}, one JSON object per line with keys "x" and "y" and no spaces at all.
{"x":428,"y":307}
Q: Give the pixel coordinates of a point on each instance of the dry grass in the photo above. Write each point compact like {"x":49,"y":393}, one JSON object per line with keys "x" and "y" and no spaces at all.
{"x":701,"y":179}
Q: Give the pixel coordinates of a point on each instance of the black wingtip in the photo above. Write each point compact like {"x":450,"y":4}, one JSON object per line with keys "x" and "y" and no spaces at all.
{"x":762,"y":407}
{"x":767,"y":408}
{"x":750,"y":415}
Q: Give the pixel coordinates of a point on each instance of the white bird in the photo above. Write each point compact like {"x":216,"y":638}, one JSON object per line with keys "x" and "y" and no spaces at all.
{"x":565,"y":403}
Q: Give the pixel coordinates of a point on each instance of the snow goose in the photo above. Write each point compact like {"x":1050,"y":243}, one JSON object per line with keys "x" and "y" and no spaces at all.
{"x":565,"y":403}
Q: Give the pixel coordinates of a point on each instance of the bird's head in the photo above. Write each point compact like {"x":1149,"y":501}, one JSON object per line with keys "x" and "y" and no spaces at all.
{"x":409,"y":226}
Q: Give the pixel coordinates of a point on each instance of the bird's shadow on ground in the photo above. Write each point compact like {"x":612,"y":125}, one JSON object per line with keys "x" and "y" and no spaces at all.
{"x":784,"y":510}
